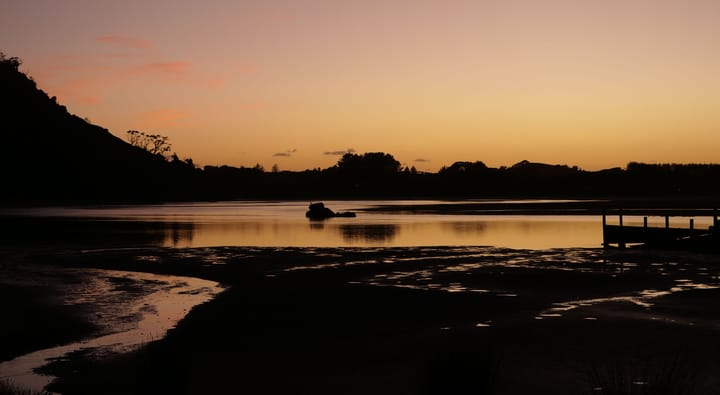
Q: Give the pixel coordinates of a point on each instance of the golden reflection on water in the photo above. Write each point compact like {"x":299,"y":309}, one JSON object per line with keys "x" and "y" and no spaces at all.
{"x":537,"y":232}
{"x":283,"y":224}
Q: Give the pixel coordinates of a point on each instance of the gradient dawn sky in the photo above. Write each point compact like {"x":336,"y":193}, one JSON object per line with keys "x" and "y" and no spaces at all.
{"x":295,"y":83}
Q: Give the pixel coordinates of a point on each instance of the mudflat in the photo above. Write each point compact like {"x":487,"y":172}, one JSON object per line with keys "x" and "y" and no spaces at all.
{"x":417,"y":320}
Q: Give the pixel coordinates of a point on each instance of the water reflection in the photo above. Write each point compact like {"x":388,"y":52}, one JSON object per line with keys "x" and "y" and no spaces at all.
{"x":467,"y":227}
{"x":130,"y":309}
{"x":179,"y":234}
{"x":397,"y":230}
{"x":368,"y":233}
{"x":317,"y":225}
{"x":284,"y":224}
{"x":91,"y":232}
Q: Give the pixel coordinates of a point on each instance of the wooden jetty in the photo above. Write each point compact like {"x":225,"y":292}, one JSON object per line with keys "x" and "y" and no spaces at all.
{"x":690,"y":238}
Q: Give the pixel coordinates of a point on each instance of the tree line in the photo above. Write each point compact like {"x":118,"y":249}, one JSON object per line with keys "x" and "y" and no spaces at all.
{"x":380,"y":175}
{"x":50,"y":156}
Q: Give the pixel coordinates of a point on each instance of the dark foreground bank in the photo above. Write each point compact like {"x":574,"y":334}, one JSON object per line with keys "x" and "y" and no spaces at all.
{"x":420,"y":321}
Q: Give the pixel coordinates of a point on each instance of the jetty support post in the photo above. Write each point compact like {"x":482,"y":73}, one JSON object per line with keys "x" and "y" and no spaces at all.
{"x":621,"y":242}
{"x":604,"y":231}
{"x":667,"y":222}
{"x":715,"y":220}
{"x":692,"y":223}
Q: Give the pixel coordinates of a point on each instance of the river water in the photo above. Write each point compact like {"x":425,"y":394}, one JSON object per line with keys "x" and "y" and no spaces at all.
{"x":283,"y":224}
{"x":128,"y":308}
{"x":473,"y":241}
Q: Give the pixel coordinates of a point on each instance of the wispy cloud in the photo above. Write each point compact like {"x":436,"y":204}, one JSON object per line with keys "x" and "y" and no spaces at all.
{"x":171,"y":70}
{"x":343,"y":152}
{"x":89,"y":78}
{"x":88,"y":83}
{"x":89,"y":99}
{"x":213,"y":83}
{"x":421,"y":160}
{"x":85,"y":90}
{"x":285,"y":153}
{"x":163,"y":118}
{"x":124,"y":41}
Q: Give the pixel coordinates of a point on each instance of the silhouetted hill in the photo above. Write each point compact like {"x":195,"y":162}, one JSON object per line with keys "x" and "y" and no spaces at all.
{"x":50,"y":155}
{"x":530,"y":169}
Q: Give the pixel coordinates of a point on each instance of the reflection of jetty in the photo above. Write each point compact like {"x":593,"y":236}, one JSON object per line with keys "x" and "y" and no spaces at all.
{"x":690,"y":238}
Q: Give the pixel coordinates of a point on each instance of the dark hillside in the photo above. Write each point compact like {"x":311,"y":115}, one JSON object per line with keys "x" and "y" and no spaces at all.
{"x":50,"y":155}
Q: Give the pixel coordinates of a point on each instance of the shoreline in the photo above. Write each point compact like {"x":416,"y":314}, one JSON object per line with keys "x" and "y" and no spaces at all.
{"x":590,"y":206}
{"x":324,"y":327}
{"x":123,"y":310}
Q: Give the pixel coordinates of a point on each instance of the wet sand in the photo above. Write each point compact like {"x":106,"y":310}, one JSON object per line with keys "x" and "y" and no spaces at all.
{"x":420,"y":320}
{"x":58,"y":310}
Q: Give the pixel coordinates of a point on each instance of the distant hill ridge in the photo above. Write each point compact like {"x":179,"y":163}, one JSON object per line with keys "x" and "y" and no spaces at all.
{"x":542,"y":169}
{"x":49,"y":156}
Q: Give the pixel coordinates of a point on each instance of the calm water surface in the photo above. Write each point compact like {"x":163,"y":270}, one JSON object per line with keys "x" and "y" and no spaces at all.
{"x":553,"y":244}
{"x":283,"y":223}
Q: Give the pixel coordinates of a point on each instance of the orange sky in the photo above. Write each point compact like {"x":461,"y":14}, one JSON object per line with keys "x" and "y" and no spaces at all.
{"x":590,"y":83}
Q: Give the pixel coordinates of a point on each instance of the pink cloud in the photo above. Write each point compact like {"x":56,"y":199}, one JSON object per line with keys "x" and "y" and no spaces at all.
{"x":88,"y":84}
{"x":163,"y":118}
{"x":171,"y":70}
{"x":80,"y":90}
{"x":123,"y":41}
{"x":213,"y":83}
{"x":77,"y":78}
{"x":89,"y":99}
{"x":90,"y":78}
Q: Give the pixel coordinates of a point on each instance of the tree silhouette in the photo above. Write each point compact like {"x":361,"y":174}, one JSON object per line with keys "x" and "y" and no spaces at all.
{"x":152,"y":143}
{"x":10,"y":62}
{"x":464,"y":168}
{"x":73,"y":160}
{"x":372,"y":164}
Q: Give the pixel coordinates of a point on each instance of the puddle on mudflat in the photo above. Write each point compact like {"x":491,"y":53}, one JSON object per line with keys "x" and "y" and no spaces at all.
{"x":642,"y":299}
{"x":144,"y":318}
{"x":640,"y":277}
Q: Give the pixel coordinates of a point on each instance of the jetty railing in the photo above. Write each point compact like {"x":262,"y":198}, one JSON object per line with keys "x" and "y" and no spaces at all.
{"x":621,"y":235}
